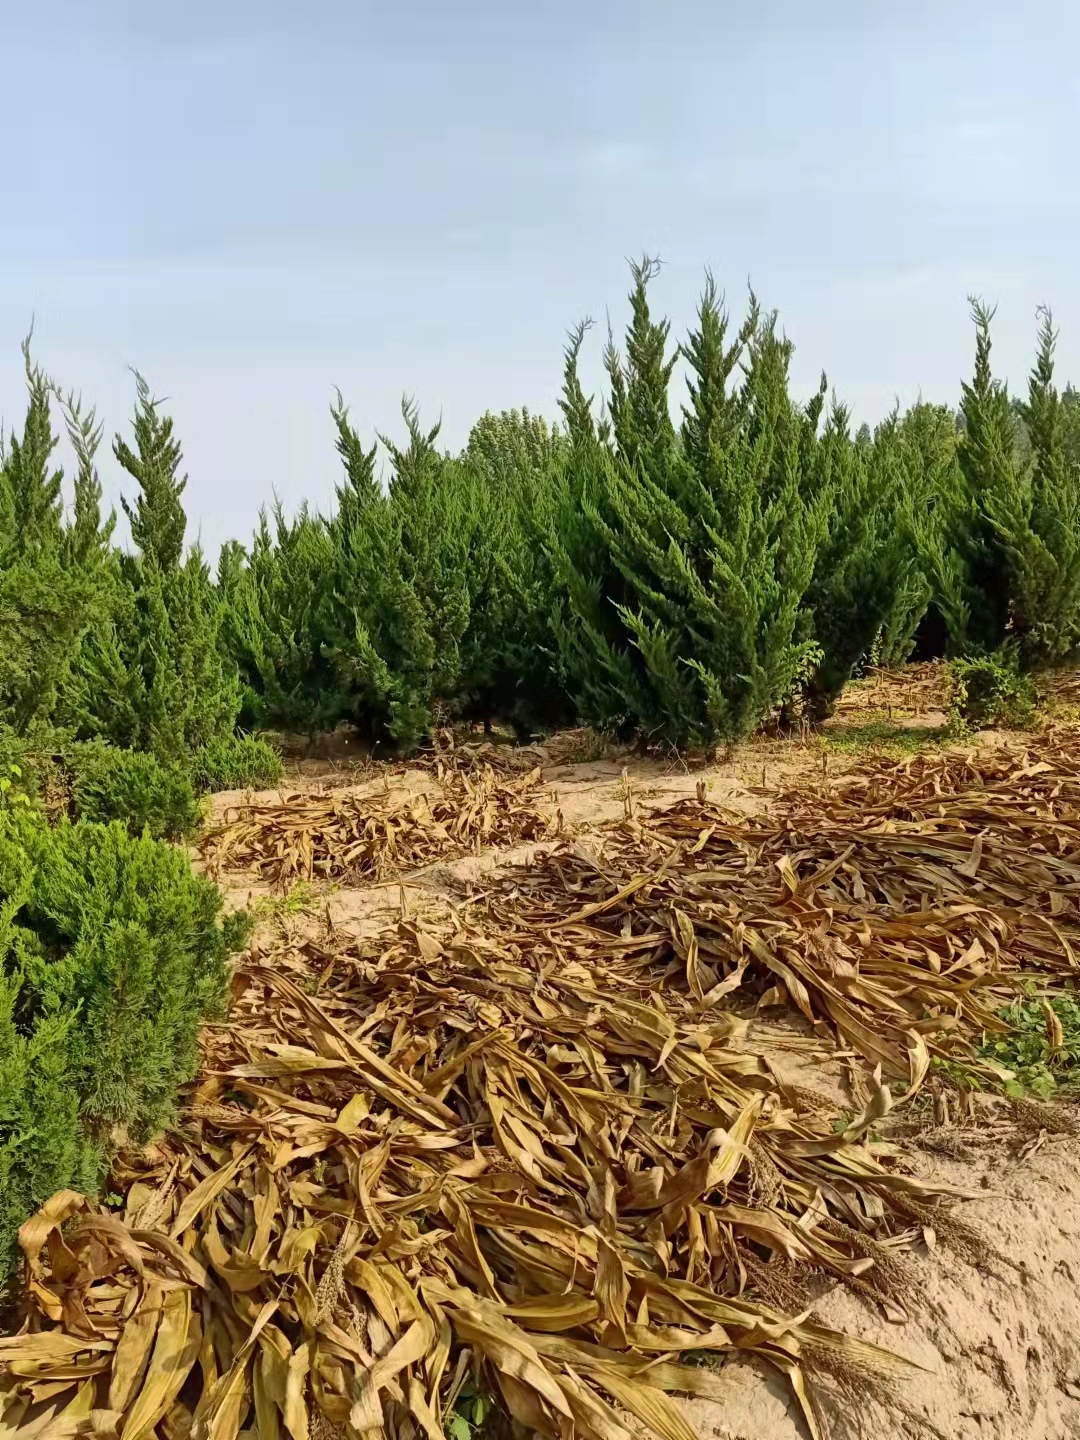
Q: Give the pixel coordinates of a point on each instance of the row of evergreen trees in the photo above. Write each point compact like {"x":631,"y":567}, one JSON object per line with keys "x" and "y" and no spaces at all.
{"x":113,"y":673}
{"x":685,"y":574}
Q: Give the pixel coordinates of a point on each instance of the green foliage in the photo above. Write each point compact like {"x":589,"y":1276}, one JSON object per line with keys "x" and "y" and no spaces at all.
{"x":472,"y":1410}
{"x":275,"y":603}
{"x":686,"y":554}
{"x":683,"y":575}
{"x":50,"y":590}
{"x":991,"y":690}
{"x":924,"y":442}
{"x":157,"y":517}
{"x":1043,"y":1062}
{"x":403,"y":573}
{"x":132,"y":786}
{"x":515,"y":464}
{"x":881,"y":735}
{"x":155,"y":677}
{"x":237,"y":762}
{"x":1002,"y":548}
{"x":111,"y":954}
{"x":866,"y":556}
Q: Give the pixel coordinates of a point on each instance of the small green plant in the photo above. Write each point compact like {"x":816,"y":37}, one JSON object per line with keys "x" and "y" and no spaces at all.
{"x":236,"y":762}
{"x":133,"y":786}
{"x":299,"y":899}
{"x":12,"y":789}
{"x":1042,"y":1048}
{"x":991,"y":690}
{"x":471,"y":1409}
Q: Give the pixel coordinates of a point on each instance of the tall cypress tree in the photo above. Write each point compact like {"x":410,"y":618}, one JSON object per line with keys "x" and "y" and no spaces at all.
{"x":275,"y":601}
{"x":33,"y":505}
{"x":87,"y":539}
{"x":1004,"y":561}
{"x":514,"y":470}
{"x":686,"y":554}
{"x":157,"y":518}
{"x":47,"y":596}
{"x":156,"y":677}
{"x":866,"y":555}
{"x":1041,"y":529}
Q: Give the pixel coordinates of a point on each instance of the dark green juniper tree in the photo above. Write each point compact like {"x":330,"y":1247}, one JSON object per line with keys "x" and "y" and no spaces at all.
{"x":1038,"y":522}
{"x":865,"y":557}
{"x":51,"y":581}
{"x":514,"y":465}
{"x":275,"y":601}
{"x":1002,"y":552}
{"x":376,"y":624}
{"x":155,"y":677}
{"x":686,"y":553}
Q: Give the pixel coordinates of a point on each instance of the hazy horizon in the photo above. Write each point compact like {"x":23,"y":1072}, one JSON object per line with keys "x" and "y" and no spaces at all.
{"x":253,"y":205}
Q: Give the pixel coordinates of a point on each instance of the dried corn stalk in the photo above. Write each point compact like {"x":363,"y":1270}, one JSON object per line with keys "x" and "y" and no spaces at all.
{"x":344,"y":836}
{"x":540,"y":1139}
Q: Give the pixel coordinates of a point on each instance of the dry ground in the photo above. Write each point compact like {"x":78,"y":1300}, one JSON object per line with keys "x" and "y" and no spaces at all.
{"x":997,"y":1322}
{"x":991,"y":1310}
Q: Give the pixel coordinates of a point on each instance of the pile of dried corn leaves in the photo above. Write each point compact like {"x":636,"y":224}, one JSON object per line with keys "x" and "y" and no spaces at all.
{"x":539,"y":1138}
{"x":346,"y":836}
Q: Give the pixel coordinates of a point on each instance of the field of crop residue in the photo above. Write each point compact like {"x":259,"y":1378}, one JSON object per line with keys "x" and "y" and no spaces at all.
{"x":591,"y":1093}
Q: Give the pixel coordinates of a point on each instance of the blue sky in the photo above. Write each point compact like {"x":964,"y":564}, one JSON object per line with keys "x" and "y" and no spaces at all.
{"x":254,"y":201}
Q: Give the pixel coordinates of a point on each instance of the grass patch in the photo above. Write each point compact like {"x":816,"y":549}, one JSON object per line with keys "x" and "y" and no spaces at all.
{"x":881,"y":735}
{"x":300,"y":899}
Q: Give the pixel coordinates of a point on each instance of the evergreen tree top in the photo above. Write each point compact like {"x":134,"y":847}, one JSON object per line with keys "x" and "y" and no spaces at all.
{"x":157,"y":518}
{"x":31,"y":504}
{"x":640,"y":408}
{"x":361,"y":484}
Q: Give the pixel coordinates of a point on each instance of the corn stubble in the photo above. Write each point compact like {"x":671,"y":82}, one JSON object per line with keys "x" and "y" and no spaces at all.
{"x":549,"y":1141}
{"x":342,"y":836}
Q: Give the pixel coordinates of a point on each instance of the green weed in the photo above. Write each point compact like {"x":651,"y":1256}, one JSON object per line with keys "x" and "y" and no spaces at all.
{"x":1043,"y":1056}
{"x":300,"y":899}
{"x":882,"y":736}
{"x":471,"y":1410}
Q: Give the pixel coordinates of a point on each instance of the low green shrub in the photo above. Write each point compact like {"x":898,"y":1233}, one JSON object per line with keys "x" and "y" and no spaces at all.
{"x":132,"y":786}
{"x":111,"y":955}
{"x":236,"y":762}
{"x":991,"y":690}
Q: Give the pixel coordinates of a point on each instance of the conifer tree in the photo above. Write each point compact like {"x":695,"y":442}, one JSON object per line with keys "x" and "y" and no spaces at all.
{"x":155,"y":677}
{"x":925,"y":442}
{"x":33,"y":503}
{"x":865,"y":556}
{"x":1039,"y":523}
{"x":275,"y":601}
{"x":87,"y":539}
{"x":157,"y":518}
{"x":46,"y":600}
{"x":1003,"y":560}
{"x":686,"y":554}
{"x":514,"y":464}
{"x":376,"y":627}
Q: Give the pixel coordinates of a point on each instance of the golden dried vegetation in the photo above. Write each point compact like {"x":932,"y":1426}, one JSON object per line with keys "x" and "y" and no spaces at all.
{"x":549,"y":1137}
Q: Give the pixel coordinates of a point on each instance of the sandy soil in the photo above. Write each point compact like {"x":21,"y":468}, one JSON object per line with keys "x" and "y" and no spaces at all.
{"x":995,"y":1322}
{"x":998,"y":1339}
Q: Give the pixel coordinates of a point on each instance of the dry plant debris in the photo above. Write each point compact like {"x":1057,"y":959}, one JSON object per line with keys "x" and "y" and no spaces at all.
{"x":342,"y":836}
{"x":915,"y":689}
{"x":548,"y":1139}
